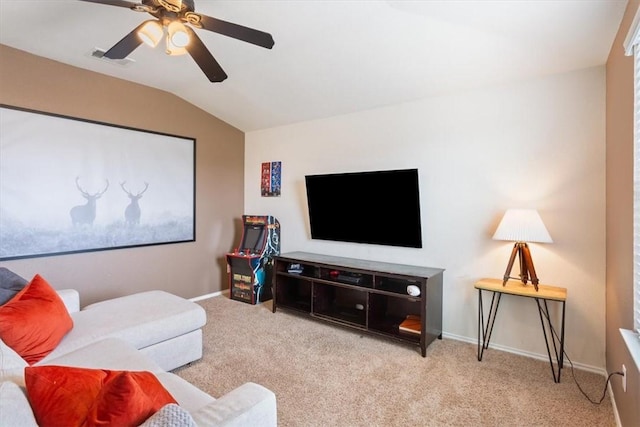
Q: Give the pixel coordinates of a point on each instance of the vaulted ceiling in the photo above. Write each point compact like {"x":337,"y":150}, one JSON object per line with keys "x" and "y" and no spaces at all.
{"x":330,"y":57}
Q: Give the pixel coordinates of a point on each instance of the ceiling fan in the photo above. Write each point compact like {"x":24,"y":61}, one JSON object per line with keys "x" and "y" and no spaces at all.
{"x":171,"y":17}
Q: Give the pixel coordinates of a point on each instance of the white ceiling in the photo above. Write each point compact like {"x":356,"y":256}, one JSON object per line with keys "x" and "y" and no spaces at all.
{"x":330,"y":57}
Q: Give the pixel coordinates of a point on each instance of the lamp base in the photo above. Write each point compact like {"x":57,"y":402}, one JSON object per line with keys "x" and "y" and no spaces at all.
{"x":527,"y":271}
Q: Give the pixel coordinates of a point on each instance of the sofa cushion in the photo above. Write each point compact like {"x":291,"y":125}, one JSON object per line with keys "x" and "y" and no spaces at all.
{"x":176,"y":352}
{"x":71,"y":396}
{"x":142,"y":319}
{"x":10,"y":284}
{"x":109,"y":353}
{"x":11,"y":365}
{"x":15,"y":410}
{"x":34,"y":321}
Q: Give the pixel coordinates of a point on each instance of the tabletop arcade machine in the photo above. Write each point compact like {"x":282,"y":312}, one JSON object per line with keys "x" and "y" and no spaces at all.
{"x":250,"y":265}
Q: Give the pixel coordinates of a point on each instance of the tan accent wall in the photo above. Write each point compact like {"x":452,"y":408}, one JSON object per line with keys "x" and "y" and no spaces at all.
{"x":186,"y":269}
{"x":620,"y":220}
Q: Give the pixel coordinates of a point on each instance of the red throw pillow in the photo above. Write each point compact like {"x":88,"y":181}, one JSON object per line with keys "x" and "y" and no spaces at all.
{"x":62,"y":395}
{"x":69,"y":396}
{"x":34,"y":321}
{"x":128,"y":398}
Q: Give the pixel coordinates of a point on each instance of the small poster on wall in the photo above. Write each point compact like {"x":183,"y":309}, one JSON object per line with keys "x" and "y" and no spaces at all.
{"x":271,"y":179}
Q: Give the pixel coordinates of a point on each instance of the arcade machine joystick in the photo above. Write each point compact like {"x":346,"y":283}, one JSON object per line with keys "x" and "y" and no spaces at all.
{"x":250,"y":265}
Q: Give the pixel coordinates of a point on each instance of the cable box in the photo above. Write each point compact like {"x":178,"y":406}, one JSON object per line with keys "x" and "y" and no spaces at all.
{"x":353,"y":280}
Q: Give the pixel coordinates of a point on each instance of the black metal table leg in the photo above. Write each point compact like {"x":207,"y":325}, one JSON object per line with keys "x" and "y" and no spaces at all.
{"x":562,"y":339}
{"x":543,"y":311}
{"x":480,"y":324}
{"x":484,"y":331}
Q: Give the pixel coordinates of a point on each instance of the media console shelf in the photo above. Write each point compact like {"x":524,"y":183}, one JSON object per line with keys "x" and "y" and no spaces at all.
{"x":365,"y":295}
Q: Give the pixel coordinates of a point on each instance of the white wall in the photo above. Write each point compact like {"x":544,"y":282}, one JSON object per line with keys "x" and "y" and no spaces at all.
{"x":538,"y":144}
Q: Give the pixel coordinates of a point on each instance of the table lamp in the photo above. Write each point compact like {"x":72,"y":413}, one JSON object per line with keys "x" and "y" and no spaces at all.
{"x":522,"y":226}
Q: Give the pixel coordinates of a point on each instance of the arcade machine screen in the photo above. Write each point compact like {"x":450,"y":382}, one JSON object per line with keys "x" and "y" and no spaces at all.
{"x":253,"y":239}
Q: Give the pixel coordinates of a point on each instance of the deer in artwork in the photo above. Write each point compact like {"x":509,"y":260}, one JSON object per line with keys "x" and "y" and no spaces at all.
{"x":132,"y":211}
{"x":86,"y":214}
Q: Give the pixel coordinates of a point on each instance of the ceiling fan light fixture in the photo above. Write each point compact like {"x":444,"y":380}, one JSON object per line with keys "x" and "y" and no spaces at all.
{"x":174,"y":50}
{"x":151,"y":33}
{"x":175,"y":21}
{"x":178,"y":34}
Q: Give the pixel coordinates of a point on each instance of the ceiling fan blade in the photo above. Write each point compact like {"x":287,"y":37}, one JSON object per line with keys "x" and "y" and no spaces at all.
{"x":121,"y":3}
{"x":204,"y":59}
{"x":125,"y":46}
{"x":249,"y":35}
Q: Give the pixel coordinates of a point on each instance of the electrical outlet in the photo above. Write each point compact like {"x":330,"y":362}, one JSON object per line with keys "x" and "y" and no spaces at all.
{"x":624,"y":378}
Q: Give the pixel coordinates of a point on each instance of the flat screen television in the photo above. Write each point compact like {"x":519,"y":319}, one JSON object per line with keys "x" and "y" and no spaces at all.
{"x":378,"y":207}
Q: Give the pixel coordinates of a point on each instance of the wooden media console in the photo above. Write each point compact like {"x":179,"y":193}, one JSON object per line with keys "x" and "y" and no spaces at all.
{"x":403,"y":302}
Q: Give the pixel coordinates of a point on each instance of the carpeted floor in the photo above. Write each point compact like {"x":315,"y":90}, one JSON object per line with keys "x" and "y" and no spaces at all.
{"x":325,"y":375}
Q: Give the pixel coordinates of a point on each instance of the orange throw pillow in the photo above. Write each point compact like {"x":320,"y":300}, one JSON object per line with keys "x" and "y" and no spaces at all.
{"x":34,"y":321}
{"x":62,"y":395}
{"x":69,"y":396}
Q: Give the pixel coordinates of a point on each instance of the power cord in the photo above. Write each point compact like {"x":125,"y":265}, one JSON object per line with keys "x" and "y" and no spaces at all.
{"x":604,"y":391}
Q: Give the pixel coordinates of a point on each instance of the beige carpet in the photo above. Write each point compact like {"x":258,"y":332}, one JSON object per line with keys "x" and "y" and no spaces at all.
{"x":325,"y":375}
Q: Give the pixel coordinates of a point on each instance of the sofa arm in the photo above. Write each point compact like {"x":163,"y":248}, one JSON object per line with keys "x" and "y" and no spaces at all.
{"x":248,"y":405}
{"x":71,"y":299}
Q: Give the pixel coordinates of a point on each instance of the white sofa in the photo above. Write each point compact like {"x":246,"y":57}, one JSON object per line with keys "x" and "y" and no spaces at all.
{"x":150,"y":331}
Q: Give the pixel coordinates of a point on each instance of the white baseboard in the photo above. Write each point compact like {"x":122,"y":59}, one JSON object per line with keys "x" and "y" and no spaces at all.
{"x":613,"y":404}
{"x":544,"y":357}
{"x":207,"y":296}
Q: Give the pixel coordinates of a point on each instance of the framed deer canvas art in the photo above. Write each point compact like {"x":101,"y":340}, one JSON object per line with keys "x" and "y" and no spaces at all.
{"x":69,"y":185}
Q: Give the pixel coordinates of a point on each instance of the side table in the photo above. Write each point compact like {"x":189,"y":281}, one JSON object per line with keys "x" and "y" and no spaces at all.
{"x":514,"y":287}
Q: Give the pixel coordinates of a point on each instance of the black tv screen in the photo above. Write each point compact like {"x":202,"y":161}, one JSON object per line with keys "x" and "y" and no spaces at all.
{"x":253,"y":236}
{"x":380,"y":207}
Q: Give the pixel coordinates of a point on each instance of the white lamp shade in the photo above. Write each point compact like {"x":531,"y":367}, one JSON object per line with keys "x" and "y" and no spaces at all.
{"x":522,"y":225}
{"x":178,"y":34}
{"x":151,"y":33}
{"x":174,"y":50}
